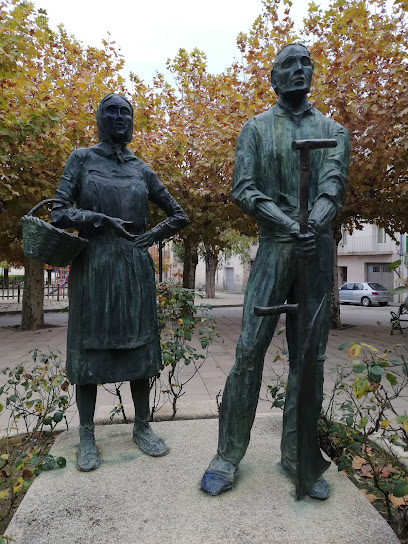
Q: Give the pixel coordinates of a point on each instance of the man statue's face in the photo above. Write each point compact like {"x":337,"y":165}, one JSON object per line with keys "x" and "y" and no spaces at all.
{"x":292,"y":71}
{"x":117,"y":118}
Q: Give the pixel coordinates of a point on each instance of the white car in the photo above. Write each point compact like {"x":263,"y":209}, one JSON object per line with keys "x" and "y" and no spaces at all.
{"x":364,"y":293}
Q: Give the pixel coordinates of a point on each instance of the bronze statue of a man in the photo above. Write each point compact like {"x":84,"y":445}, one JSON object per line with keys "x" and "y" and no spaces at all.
{"x":266,"y":187}
{"x":113,"y":333}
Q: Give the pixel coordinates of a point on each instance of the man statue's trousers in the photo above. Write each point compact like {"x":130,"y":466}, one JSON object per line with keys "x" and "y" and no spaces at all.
{"x":273,"y":281}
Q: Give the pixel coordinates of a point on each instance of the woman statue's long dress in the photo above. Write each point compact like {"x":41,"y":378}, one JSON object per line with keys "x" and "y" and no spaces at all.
{"x":112,"y":329}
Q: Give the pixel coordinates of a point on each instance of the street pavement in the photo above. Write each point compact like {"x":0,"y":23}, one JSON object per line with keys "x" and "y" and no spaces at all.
{"x":360,"y":324}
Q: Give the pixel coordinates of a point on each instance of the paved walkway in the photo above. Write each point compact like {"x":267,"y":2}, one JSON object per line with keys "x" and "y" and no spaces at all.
{"x":52,"y":304}
{"x":208,"y":382}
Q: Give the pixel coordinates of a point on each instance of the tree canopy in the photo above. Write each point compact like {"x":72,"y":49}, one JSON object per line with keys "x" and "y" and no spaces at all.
{"x":187,"y":121}
{"x":360,"y":54}
{"x":187,"y":132}
{"x":50,"y":87}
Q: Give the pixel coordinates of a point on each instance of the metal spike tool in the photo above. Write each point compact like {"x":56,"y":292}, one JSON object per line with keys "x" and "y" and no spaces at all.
{"x":310,"y":463}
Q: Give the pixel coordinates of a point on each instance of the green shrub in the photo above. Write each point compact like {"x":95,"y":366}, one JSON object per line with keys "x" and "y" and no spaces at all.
{"x":362,"y":423}
{"x":178,"y":318}
{"x":14,"y":279}
{"x":36,"y":397}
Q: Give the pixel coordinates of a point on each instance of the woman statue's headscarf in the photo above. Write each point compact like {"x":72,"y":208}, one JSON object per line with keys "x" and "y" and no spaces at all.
{"x":103,"y":133}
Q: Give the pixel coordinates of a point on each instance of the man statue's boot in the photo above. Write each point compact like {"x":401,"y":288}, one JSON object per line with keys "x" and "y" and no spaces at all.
{"x":143,"y":434}
{"x":219,"y":476}
{"x":88,"y":453}
{"x":319,"y":490}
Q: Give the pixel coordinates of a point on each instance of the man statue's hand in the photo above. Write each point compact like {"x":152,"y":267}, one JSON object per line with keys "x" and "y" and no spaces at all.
{"x":314,"y":227}
{"x":305,"y":243}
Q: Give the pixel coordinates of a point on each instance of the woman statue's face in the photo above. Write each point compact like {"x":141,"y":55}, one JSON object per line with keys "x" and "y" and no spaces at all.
{"x":117,"y":119}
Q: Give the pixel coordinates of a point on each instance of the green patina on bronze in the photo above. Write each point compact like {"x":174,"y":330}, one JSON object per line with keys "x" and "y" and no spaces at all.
{"x":112,"y":330}
{"x":266,"y":187}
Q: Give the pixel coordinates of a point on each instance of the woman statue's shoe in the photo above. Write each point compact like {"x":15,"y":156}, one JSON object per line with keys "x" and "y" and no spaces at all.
{"x":88,"y":453}
{"x":147,"y":441}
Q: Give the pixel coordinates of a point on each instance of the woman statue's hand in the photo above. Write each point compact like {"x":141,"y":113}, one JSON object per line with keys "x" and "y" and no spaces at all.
{"x":145,"y":240}
{"x":119,"y":226}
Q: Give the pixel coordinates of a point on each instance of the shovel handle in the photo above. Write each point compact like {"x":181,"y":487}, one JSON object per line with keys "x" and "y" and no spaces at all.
{"x":304,"y":146}
{"x":275,"y":310}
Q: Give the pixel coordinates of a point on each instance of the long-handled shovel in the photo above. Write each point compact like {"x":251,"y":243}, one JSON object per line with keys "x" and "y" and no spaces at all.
{"x":310,"y":463}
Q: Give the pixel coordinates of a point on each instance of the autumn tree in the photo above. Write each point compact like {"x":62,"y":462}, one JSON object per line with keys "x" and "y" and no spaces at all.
{"x":187,"y":132}
{"x":360,"y":55}
{"x":50,"y":88}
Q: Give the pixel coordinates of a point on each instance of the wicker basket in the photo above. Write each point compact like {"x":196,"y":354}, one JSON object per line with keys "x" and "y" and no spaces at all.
{"x":46,"y":243}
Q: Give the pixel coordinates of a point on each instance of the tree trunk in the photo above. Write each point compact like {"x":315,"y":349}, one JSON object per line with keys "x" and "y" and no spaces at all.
{"x":190,"y":263}
{"x":32,"y":317}
{"x":6,"y":278}
{"x":211,"y":261}
{"x":335,"y":321}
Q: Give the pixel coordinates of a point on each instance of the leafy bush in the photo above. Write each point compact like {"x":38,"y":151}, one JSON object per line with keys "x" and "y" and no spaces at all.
{"x":361,"y":427}
{"x":14,"y":279}
{"x":178,"y":318}
{"x":36,"y":398}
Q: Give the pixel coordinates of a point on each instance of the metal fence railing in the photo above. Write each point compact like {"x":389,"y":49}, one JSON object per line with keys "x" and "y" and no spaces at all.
{"x":14,"y":292}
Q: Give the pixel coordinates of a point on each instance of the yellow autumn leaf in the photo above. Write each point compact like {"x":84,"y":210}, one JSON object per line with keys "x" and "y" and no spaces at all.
{"x":372,"y":348}
{"x":5,"y":494}
{"x":405,"y":426}
{"x":361,"y":387}
{"x":385,"y":423}
{"x":354,"y":351}
{"x":18,"y":485}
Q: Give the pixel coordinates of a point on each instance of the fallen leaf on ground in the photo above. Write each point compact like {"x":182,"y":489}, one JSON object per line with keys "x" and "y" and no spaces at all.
{"x":387,"y":471}
{"x":398,"y":501}
{"x":367,"y":471}
{"x":369,"y":496}
{"x":358,"y":462}
{"x":27,"y":474}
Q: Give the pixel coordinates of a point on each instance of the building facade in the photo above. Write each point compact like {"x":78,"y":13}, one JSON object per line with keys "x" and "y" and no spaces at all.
{"x":365,"y":255}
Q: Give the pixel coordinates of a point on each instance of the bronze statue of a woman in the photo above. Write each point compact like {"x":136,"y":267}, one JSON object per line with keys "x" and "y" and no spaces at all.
{"x":112,"y":329}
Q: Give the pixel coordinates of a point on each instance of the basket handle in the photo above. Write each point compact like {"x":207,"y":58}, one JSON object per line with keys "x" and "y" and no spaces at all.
{"x":43,"y":202}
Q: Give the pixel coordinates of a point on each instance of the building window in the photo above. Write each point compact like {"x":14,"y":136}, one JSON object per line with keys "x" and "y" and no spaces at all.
{"x":381,"y":235}
{"x":376,"y":268}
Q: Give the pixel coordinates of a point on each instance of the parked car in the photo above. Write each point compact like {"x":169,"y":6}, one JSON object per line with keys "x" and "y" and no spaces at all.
{"x":364,"y":293}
